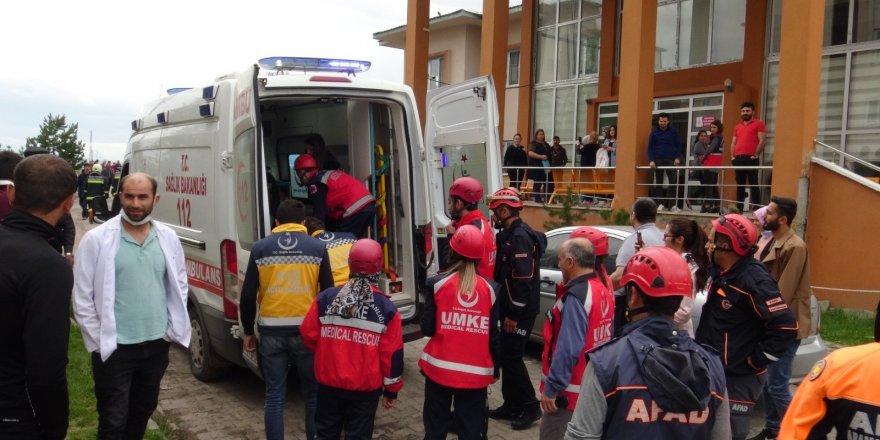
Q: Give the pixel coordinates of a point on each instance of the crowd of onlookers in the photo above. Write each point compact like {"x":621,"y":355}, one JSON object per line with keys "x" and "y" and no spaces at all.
{"x":535,"y":162}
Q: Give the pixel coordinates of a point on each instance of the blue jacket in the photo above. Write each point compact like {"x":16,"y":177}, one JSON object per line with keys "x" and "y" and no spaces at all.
{"x":664,"y":144}
{"x":649,"y":395}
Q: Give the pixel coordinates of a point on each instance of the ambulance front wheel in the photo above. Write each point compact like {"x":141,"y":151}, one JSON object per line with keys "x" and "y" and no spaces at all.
{"x":204,"y":363}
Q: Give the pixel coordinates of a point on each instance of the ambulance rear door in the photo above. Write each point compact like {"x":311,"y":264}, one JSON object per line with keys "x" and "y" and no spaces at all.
{"x":461,"y":139}
{"x":247,"y":167}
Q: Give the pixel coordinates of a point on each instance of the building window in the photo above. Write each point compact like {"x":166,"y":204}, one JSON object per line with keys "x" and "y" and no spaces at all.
{"x":567,"y":40}
{"x":849,"y":85}
{"x":562,"y":110}
{"x":693,"y":32}
{"x":435,"y":73}
{"x":512,"y":67}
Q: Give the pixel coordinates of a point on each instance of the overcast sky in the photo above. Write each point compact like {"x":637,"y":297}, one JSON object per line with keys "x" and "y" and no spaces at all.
{"x":99,"y":61}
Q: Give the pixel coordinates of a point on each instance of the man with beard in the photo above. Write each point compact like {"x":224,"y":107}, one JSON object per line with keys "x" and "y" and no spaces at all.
{"x":130,"y":290}
{"x":786,"y":259}
{"x":745,"y":318}
{"x":35,"y":283}
{"x":747,"y":146}
{"x":464,"y":197}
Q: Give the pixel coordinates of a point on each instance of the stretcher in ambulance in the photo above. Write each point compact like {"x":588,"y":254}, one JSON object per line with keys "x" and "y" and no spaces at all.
{"x":223,"y":154}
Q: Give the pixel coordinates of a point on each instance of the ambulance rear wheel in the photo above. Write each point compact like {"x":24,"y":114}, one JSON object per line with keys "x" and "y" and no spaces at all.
{"x":203,"y":361}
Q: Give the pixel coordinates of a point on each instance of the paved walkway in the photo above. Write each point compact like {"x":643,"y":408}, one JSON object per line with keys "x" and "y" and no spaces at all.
{"x":232,"y":408}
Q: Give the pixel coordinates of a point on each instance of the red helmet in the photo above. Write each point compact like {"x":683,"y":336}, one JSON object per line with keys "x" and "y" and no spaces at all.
{"x":742,"y":233}
{"x":468,"y":189}
{"x":505,"y":196}
{"x":365,"y":257}
{"x":596,"y":237}
{"x":305,"y":161}
{"x":468,"y":242}
{"x":659,"y":271}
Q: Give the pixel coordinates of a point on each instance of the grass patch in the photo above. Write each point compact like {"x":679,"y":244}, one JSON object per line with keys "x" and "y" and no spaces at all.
{"x":81,"y":387}
{"x":847,"y":328}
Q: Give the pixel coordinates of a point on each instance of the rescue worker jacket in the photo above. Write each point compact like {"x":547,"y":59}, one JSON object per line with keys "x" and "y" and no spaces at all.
{"x":581,"y":319}
{"x":464,"y":348}
{"x":746,"y":318}
{"x":359,"y":355}
{"x":518,"y":270}
{"x":337,"y":195}
{"x":838,"y":393}
{"x":285,"y":272}
{"x":486,"y":266}
{"x":96,"y":186}
{"x":338,"y":246}
{"x":649,"y":395}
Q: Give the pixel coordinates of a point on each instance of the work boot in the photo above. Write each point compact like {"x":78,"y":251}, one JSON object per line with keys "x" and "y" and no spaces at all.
{"x":503,"y":412}
{"x":765,"y":434}
{"x":526,"y":418}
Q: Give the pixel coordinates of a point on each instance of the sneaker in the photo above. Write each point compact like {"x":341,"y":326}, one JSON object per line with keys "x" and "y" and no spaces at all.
{"x":661,"y":207}
{"x":503,"y":413}
{"x":526,"y":418}
{"x":675,"y":209}
{"x":765,"y":434}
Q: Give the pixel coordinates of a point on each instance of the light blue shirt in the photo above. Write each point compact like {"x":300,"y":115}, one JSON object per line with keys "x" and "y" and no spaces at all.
{"x":651,"y":235}
{"x":140,"y":305}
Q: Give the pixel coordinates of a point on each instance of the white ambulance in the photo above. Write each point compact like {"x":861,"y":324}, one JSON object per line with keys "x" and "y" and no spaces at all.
{"x":213,"y":148}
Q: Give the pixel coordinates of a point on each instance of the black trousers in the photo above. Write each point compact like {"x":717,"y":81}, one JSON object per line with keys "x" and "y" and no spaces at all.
{"x":663,"y":196}
{"x":340,"y":410}
{"x":470,"y":411}
{"x":516,"y":176}
{"x":516,"y":386}
{"x":358,"y":223}
{"x":127,"y":388}
{"x":746,"y":175}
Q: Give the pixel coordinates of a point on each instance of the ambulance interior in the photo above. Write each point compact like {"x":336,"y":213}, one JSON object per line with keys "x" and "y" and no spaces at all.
{"x":368,"y":138}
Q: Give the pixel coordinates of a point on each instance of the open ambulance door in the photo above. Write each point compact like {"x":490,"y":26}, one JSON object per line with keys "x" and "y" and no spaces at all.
{"x":461,"y":139}
{"x":248,"y":176}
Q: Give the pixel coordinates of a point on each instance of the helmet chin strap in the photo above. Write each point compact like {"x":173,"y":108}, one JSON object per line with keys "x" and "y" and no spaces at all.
{"x":128,"y":220}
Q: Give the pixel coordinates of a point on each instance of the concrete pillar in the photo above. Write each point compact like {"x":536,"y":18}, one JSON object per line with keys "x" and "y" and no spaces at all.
{"x":526,"y":55}
{"x":636,"y":99}
{"x":493,"y":50}
{"x":415,"y":54}
{"x":800,"y":63}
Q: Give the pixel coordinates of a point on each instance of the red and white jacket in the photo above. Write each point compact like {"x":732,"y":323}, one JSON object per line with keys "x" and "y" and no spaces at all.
{"x":581,"y":319}
{"x":362,"y":353}
{"x":464,"y":348}
{"x":486,"y":266}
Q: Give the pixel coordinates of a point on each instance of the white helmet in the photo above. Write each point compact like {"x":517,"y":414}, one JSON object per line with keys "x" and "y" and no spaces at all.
{"x":96,"y":168}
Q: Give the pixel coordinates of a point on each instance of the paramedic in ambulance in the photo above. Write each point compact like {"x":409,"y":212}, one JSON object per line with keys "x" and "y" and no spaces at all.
{"x":464,"y":197}
{"x":129,"y":294}
{"x":338,"y":199}
{"x":285,"y":273}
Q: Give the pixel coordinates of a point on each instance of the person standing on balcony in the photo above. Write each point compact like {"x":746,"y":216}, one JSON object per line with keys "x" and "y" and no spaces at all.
{"x":610,"y":145}
{"x":787,"y":261}
{"x":539,"y":157}
{"x":664,"y":149}
{"x":515,"y":158}
{"x":746,"y":149}
{"x":713,"y":158}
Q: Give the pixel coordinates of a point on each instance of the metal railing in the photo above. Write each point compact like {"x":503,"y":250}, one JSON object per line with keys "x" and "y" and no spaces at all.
{"x":842,"y":158}
{"x":684,"y":188}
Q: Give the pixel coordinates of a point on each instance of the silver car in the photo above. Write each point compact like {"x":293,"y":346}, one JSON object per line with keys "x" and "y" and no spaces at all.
{"x":811,"y":350}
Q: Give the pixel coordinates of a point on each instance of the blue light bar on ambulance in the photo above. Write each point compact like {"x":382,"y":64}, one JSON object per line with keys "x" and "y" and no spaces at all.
{"x":177,"y":90}
{"x":281,"y":64}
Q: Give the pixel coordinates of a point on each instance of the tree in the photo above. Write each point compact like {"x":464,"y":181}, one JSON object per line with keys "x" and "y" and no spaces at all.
{"x":57,"y":136}
{"x":566,"y":214}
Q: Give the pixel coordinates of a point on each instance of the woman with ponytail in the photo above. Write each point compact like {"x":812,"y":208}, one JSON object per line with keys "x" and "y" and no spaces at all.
{"x":688,"y":239}
{"x":462,"y":358}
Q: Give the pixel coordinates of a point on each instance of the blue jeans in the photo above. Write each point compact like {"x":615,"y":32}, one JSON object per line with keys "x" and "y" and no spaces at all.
{"x":277,"y":353}
{"x":777,"y":394}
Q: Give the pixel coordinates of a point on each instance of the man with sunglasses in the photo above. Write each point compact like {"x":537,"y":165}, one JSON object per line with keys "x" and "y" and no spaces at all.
{"x":745,"y":318}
